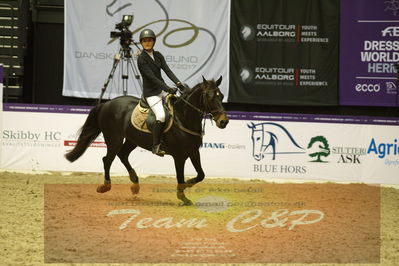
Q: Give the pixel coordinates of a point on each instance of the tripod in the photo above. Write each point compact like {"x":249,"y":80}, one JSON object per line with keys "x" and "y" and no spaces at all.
{"x":124,"y":58}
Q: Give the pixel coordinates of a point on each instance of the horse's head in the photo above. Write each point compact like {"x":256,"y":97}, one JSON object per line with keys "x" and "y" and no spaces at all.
{"x":257,"y":141}
{"x":261,"y":141}
{"x":212,"y":101}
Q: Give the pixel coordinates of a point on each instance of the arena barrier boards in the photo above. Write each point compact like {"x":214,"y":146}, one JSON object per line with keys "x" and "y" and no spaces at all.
{"x":253,"y":146}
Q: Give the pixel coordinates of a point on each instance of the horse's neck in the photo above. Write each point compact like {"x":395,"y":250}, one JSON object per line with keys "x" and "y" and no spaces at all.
{"x":187,"y":115}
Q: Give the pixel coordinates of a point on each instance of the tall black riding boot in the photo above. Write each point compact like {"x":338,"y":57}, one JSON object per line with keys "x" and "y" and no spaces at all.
{"x":156,"y":138}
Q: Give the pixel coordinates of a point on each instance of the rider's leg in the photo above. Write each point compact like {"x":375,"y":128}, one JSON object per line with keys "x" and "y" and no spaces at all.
{"x":155,"y":102}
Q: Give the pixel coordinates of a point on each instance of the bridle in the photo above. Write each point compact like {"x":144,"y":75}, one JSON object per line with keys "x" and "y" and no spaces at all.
{"x":203,"y":113}
{"x":205,"y":103}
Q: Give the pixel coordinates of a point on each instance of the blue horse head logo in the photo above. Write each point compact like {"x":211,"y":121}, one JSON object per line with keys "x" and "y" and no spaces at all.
{"x":265,"y":137}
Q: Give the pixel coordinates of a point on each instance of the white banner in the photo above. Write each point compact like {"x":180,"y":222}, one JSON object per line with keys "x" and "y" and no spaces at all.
{"x":192,"y":35}
{"x":263,"y":148}
{"x":305,"y":151}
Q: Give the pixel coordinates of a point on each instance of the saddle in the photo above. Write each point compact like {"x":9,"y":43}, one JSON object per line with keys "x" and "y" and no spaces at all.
{"x":143,"y":118}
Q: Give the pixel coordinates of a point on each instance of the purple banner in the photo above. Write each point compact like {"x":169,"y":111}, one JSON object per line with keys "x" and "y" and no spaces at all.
{"x":369,"y":50}
{"x":46,"y":108}
{"x":233,"y":115}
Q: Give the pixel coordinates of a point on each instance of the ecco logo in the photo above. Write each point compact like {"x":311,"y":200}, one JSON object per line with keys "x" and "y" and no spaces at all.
{"x":390,"y":31}
{"x":368,"y":87}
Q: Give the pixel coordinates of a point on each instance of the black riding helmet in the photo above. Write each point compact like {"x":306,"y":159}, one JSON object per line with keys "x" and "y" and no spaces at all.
{"x":147,"y":33}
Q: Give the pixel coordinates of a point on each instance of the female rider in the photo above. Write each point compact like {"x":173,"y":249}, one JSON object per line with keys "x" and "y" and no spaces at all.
{"x":150,"y":63}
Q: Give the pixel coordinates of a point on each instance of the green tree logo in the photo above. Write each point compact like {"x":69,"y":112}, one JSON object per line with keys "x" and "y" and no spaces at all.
{"x":318,"y":148}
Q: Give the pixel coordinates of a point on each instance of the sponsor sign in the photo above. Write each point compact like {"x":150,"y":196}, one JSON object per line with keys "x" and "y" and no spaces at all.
{"x":369,"y":50}
{"x":191,"y":42}
{"x":253,"y":146}
{"x":1,"y":107}
{"x":233,"y":223}
{"x":280,"y":52}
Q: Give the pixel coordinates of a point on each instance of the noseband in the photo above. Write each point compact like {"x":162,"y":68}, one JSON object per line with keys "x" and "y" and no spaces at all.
{"x":202,"y":112}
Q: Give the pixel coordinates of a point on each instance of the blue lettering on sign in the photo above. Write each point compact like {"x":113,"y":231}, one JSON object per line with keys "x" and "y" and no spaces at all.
{"x":383,"y":149}
{"x":213,"y":145}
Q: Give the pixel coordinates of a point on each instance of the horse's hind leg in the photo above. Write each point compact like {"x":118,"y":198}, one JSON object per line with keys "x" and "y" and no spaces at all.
{"x":196,"y":161}
{"x":113,"y":146}
{"x":123,"y":155}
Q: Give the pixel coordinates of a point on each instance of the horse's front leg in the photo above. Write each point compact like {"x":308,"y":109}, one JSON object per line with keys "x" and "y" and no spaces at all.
{"x":196,"y":161}
{"x":181,"y":185}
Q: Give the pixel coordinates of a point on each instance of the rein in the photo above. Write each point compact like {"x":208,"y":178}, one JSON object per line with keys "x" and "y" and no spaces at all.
{"x":203,"y":114}
{"x":194,"y":107}
{"x":205,"y":104}
{"x":180,"y":125}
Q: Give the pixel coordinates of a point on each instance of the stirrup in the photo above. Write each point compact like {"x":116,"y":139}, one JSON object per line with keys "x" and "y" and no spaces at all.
{"x":156,"y":149}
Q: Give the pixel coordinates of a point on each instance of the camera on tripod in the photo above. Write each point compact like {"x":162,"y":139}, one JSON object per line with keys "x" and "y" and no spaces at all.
{"x":124,"y":57}
{"x":124,"y":33}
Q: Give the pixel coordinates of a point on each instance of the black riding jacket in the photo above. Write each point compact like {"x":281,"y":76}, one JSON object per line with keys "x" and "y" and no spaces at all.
{"x":150,"y":70}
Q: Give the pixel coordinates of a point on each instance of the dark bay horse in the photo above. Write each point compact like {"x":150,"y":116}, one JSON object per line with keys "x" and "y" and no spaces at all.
{"x":182,"y":141}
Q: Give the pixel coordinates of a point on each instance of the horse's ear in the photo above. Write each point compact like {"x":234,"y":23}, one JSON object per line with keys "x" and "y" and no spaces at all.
{"x":203,"y":79}
{"x":251,"y":125}
{"x":219,"y":81}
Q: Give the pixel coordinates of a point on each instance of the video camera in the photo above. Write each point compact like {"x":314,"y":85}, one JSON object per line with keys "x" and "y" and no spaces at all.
{"x":124,"y":33}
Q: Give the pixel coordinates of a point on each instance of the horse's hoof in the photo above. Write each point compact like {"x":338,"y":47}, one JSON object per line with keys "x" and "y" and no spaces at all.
{"x":103,"y":188}
{"x":186,"y":203}
{"x":135,"y":188}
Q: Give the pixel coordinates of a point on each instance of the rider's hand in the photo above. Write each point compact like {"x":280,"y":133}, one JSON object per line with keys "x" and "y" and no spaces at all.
{"x":172,"y":90}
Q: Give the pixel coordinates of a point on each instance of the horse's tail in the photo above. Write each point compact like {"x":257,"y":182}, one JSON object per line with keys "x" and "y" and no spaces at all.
{"x":88,"y":133}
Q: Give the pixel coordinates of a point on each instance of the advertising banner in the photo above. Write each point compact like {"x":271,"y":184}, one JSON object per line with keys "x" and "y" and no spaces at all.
{"x":284,"y":52}
{"x":1,"y":109}
{"x":368,"y":51}
{"x":192,"y":35}
{"x":253,"y":146}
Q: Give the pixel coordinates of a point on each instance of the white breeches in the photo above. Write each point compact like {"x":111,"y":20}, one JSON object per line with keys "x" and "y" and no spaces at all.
{"x":155,"y":102}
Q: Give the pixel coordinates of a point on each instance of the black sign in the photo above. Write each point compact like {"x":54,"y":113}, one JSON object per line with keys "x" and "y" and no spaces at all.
{"x":284,"y":52}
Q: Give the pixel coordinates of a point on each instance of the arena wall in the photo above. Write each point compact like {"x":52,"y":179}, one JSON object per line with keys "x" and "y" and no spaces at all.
{"x":253,"y":146}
